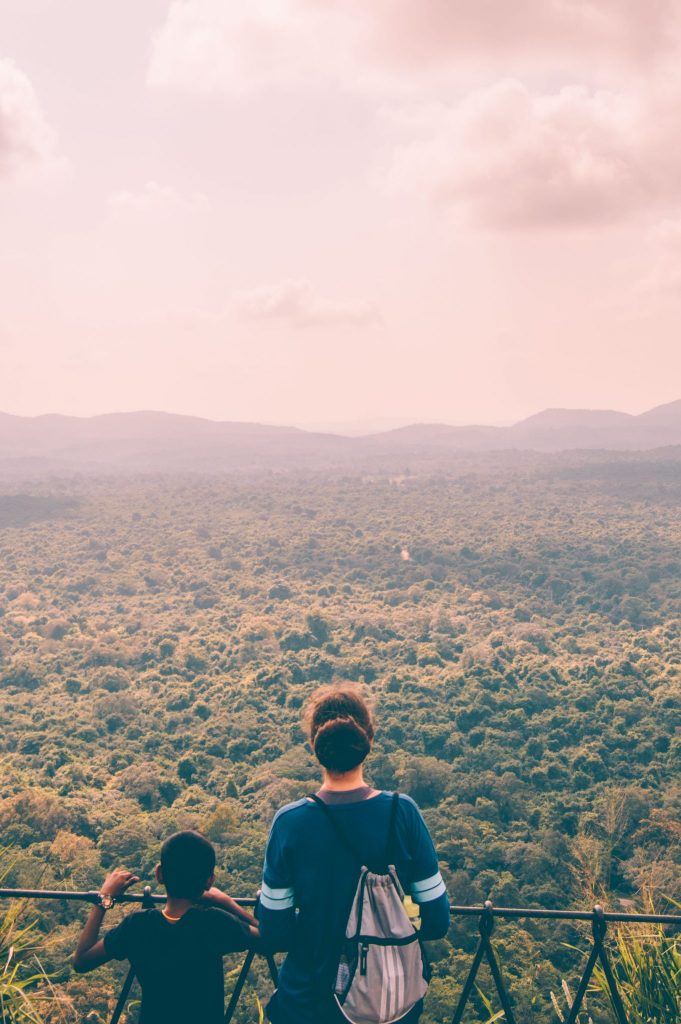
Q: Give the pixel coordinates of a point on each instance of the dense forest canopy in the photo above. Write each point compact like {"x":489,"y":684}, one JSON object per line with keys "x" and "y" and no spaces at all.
{"x":516,"y":625}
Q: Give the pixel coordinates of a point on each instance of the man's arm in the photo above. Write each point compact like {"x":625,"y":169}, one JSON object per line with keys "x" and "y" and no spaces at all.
{"x":276,"y":910}
{"x":90,"y":952}
{"x":427,"y":887}
{"x":431,"y":896}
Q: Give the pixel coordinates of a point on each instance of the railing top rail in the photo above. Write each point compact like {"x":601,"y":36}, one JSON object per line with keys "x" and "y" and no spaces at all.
{"x":536,"y":913}
{"x":93,"y":896}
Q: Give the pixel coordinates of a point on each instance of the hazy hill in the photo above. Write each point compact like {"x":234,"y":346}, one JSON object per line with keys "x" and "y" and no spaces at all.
{"x":164,"y":442}
{"x":663,"y":415}
{"x":551,"y":430}
{"x":155,"y":441}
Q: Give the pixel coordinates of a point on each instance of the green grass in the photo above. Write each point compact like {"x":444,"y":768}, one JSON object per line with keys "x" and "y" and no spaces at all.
{"x":20,"y":974}
{"x":647,"y":968}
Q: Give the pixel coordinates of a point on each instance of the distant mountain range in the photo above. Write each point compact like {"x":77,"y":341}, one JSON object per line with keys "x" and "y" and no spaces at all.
{"x":164,"y":442}
{"x":556,"y":430}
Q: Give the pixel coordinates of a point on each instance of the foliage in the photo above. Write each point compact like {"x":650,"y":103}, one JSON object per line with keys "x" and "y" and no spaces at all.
{"x":516,"y":626}
{"x":21,"y":976}
{"x":647,"y":968}
{"x":569,"y":1003}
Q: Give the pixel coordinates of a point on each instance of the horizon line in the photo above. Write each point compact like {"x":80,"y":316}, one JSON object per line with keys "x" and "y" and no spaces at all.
{"x":336,"y":426}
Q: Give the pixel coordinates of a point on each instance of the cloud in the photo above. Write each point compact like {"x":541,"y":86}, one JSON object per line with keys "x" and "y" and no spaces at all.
{"x":663,"y":256}
{"x":419,"y":34}
{"x":243,"y":46}
{"x":296,"y":303}
{"x":154,"y":198}
{"x":509,"y":158}
{"x":391,"y":45}
{"x":26,"y":139}
{"x":459,"y":79}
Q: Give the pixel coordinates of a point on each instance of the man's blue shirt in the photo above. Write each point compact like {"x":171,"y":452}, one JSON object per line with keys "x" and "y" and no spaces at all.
{"x":309,"y":883}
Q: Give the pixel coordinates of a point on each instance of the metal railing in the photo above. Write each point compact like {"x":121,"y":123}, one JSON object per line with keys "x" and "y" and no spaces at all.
{"x":487,"y":916}
{"x":599,"y":920}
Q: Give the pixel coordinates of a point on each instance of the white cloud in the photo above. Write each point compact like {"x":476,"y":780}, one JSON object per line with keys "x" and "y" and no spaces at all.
{"x":245,"y":45}
{"x":26,"y":139}
{"x":506,"y":154}
{"x":154,"y":198}
{"x":241,"y":46}
{"x":507,"y":157}
{"x":296,"y":303}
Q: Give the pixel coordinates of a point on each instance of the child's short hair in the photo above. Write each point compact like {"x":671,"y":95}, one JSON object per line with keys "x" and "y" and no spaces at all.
{"x":187,"y":862}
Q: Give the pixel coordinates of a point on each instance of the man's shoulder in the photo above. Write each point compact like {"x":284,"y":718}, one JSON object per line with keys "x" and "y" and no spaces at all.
{"x":410,"y":803}
{"x":410,"y":814}
{"x":290,"y":812}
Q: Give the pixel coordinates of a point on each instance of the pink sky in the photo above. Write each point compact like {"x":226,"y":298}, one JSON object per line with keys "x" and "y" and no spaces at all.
{"x":321,"y":211}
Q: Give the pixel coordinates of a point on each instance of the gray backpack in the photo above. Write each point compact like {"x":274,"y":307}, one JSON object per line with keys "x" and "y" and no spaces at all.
{"x":382,"y":971}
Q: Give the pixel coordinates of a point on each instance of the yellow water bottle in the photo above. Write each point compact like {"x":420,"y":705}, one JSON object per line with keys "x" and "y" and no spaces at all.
{"x":413,"y":912}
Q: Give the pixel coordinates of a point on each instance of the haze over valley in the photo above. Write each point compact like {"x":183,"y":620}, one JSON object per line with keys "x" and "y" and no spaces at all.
{"x":163,"y":442}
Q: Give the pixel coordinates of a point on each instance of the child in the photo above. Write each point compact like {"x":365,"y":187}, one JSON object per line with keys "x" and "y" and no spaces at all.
{"x":176,"y":953}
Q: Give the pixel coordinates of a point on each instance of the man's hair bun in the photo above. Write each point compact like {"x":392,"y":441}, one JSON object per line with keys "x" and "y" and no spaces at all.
{"x":340,"y":727}
{"x":341,"y":744}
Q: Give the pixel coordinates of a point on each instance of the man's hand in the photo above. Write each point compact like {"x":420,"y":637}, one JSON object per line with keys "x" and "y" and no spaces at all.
{"x":117,"y":882}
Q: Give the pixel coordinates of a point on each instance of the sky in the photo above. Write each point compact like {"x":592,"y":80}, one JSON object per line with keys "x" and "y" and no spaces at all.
{"x":325,"y":212}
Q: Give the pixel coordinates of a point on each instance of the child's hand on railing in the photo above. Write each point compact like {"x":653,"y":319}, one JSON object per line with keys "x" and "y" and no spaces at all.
{"x":118,"y":882}
{"x":217,"y":898}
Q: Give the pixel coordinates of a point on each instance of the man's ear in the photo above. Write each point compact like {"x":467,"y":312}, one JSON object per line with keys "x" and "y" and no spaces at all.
{"x":158,"y":871}
{"x":211,"y":881}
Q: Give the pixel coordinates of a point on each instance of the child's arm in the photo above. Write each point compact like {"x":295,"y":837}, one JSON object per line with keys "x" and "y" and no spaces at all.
{"x":90,"y":952}
{"x":216,"y":898}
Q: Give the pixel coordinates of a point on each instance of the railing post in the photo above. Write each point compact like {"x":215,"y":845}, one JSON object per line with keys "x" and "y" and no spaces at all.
{"x":596,"y":923}
{"x":488,"y":920}
{"x":600,"y":927}
{"x":123,"y":997}
{"x":274,"y":972}
{"x":470,"y":981}
{"x":238,"y":988}
{"x":485,"y":949}
{"x":147,"y":903}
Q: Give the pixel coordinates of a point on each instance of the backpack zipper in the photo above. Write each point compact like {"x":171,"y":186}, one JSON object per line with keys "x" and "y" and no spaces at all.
{"x":364,"y":952}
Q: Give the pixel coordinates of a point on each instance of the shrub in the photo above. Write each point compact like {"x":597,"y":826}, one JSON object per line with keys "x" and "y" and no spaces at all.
{"x":647,"y":968}
{"x":21,"y":976}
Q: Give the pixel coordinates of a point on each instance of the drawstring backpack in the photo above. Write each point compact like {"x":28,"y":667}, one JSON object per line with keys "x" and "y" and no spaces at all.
{"x":382,"y":970}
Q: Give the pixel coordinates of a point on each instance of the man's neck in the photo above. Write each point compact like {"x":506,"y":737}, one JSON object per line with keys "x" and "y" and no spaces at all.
{"x":341,"y":782}
{"x":177,"y":908}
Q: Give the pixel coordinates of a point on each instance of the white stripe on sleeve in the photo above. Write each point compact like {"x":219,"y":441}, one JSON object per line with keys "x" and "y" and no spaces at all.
{"x":428,"y":889}
{"x":276,"y":899}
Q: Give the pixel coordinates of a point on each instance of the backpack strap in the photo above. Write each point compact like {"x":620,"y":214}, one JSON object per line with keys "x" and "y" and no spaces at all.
{"x":347,"y":844}
{"x":392,"y":829}
{"x":340,"y":834}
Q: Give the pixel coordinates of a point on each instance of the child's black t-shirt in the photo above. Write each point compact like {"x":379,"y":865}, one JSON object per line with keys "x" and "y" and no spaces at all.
{"x":179,"y":963}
